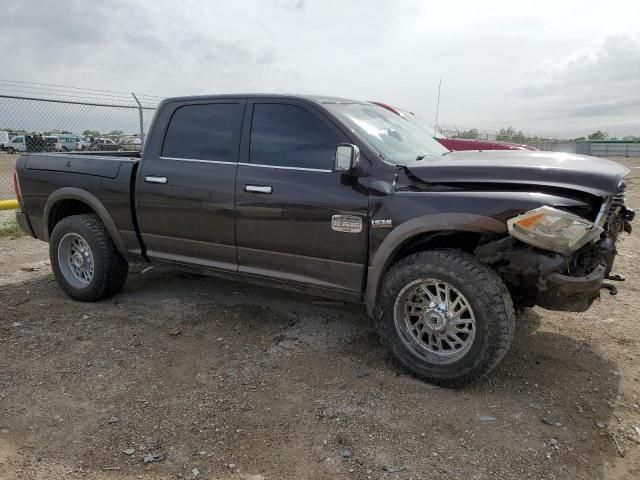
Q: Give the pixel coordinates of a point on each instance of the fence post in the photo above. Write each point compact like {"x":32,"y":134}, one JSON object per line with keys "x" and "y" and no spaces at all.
{"x":141,"y":114}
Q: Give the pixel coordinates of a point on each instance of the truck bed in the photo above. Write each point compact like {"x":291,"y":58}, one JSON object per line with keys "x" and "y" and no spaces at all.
{"x":106,"y":166}
{"x":50,"y":181}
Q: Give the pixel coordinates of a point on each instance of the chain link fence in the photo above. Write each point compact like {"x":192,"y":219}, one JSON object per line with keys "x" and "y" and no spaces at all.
{"x":584,"y":146}
{"x":511,"y":136}
{"x":48,"y":118}
{"x":598,"y":148}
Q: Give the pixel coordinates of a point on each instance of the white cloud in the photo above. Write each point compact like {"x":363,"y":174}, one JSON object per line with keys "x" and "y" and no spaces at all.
{"x":596,"y":85}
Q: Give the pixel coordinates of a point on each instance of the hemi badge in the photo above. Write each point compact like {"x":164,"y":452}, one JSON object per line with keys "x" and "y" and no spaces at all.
{"x":382,"y":223}
{"x":346,"y":223}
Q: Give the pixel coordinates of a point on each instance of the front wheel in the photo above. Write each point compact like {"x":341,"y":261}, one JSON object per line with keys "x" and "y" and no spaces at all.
{"x":10,"y":150}
{"x":446,"y":318}
{"x":84,"y":259}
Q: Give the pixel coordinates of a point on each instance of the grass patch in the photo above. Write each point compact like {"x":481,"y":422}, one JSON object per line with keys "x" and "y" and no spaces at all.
{"x":10,"y":228}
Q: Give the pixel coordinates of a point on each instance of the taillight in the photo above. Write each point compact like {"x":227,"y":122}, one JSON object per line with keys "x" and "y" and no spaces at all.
{"x":16,"y":186}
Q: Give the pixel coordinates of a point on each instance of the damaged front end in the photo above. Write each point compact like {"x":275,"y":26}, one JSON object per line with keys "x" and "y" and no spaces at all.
{"x":561,"y":280}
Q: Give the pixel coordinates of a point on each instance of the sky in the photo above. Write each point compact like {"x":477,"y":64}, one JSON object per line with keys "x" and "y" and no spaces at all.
{"x":560,"y":68}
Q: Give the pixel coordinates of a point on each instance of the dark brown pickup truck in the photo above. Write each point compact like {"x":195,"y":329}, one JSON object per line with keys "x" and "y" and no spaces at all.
{"x":343,"y":199}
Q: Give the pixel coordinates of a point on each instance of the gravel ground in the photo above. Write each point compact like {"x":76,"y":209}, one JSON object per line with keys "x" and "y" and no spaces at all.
{"x":222,"y":380}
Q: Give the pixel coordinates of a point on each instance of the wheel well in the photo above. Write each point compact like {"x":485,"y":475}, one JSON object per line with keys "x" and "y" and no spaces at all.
{"x":66,"y":208}
{"x":454,"y":240}
{"x":447,"y":239}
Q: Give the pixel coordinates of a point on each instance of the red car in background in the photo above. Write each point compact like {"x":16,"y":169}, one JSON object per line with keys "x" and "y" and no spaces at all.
{"x":456,"y":143}
{"x":473,"y":144}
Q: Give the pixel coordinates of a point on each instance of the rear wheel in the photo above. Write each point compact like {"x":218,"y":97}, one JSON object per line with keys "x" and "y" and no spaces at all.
{"x":446,"y":318}
{"x":84,"y":259}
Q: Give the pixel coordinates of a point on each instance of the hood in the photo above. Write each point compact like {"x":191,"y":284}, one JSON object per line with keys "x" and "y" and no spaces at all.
{"x":592,"y":175}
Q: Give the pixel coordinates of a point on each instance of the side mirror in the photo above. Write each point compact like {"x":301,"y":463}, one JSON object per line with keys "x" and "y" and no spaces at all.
{"x":347,"y":158}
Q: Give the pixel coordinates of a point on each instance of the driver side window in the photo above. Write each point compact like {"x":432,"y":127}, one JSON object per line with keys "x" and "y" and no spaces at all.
{"x":291,"y":136}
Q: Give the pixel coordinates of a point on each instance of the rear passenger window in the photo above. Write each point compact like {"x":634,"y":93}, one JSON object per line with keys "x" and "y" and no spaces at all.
{"x":204,"y":132}
{"x":290,"y":136}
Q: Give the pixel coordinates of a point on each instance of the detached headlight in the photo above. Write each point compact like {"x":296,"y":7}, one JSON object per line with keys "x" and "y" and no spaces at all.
{"x":553,"y":229}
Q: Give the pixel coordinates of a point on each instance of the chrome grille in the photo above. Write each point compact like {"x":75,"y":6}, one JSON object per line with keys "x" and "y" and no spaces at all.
{"x":617,"y":201}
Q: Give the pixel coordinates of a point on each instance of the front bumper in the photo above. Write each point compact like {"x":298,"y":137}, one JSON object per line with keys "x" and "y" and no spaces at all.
{"x":538,"y":277}
{"x":570,"y":294}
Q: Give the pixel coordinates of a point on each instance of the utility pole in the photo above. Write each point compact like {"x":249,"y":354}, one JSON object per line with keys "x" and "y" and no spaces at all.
{"x":438,"y":106}
{"x":141,"y":115}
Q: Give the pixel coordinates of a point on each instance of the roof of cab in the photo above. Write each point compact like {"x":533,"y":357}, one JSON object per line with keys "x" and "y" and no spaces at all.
{"x":314,"y":98}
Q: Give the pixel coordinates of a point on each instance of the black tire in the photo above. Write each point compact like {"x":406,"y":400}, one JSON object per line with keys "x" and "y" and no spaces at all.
{"x":109,"y":268}
{"x":10,"y":151}
{"x":487,"y":297}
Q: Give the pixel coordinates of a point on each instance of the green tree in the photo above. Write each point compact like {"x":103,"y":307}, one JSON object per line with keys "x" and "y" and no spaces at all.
{"x":506,"y":134}
{"x":471,"y":133}
{"x":91,"y":133}
{"x":57,"y":132}
{"x":598,"y":135}
{"x":519,"y":137}
{"x":115,"y":133}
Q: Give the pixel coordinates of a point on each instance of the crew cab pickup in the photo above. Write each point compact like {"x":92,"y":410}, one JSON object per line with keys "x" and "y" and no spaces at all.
{"x":343,"y":199}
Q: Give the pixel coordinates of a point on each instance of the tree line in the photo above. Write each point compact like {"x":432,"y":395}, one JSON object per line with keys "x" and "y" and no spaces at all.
{"x":510,"y":134}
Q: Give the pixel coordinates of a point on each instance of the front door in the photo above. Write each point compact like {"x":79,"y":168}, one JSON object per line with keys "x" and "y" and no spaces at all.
{"x":297,"y":219}
{"x":185,"y":187}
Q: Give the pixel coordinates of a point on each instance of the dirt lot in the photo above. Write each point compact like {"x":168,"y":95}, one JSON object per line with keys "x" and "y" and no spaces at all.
{"x":242,"y":382}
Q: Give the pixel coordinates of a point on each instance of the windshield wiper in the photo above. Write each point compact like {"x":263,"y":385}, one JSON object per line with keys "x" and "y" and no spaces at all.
{"x":425,"y":155}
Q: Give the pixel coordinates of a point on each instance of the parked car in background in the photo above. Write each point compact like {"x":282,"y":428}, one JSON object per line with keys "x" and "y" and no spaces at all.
{"x":68,"y":143}
{"x":103,"y":144}
{"x":455,"y":144}
{"x":49,"y":144}
{"x":16,"y":144}
{"x":31,"y":143}
{"x":4,"y":139}
{"x":130,"y":142}
{"x":83,"y":144}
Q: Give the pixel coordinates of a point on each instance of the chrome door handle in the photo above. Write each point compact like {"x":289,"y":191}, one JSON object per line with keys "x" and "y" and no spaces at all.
{"x":152,"y":179}
{"x":258,"y":188}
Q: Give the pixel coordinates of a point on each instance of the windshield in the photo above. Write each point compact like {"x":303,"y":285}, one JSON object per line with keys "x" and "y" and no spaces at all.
{"x":398,"y":141}
{"x":422,"y":125}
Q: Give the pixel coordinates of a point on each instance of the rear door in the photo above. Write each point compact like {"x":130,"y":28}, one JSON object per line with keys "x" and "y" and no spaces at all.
{"x":287,"y":196}
{"x":186,"y":184}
